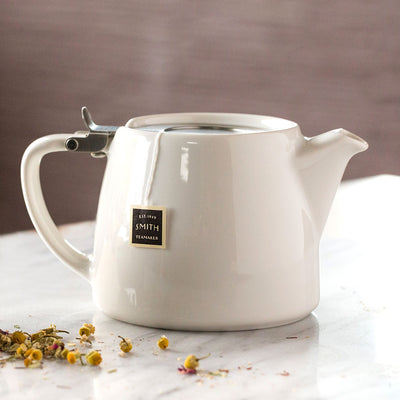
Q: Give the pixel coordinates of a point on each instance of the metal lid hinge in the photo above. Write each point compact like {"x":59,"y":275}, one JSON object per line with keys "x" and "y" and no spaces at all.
{"x":94,"y":141}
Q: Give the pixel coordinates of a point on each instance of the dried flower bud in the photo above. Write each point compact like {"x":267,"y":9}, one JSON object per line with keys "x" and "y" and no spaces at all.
{"x":36,"y":355}
{"x":64,"y":353}
{"x":191,"y":362}
{"x":27,"y":362}
{"x":72,"y":356}
{"x":125,"y":345}
{"x":5,"y":340}
{"x":94,"y":358}
{"x":163,"y":342}
{"x":28,"y":353}
{"x":91,"y":328}
{"x":18,"y":337}
{"x":84,"y":331}
{"x":20,"y":351}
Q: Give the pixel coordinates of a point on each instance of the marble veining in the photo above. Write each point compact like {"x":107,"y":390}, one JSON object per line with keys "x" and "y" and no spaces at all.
{"x":347,"y":349}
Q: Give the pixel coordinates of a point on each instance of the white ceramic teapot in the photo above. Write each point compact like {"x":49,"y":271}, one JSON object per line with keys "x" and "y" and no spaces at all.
{"x":206,"y":221}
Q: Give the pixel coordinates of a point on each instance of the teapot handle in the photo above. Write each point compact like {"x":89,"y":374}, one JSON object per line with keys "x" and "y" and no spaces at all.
{"x":37,"y":209}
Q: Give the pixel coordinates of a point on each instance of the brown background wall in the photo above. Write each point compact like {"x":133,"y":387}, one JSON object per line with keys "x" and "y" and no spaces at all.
{"x":324,"y":64}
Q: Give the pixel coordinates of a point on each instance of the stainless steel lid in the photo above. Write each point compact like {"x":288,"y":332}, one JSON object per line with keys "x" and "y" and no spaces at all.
{"x":202,"y":129}
{"x":200,"y":123}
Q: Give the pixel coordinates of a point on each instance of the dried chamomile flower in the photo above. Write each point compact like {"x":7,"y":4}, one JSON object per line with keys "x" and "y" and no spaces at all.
{"x":36,"y":355}
{"x":94,"y":358}
{"x":91,"y":328}
{"x":84,"y":331}
{"x":18,"y":337}
{"x":125,"y":345}
{"x":5,"y":340}
{"x":19,"y":353}
{"x":33,"y":357}
{"x":192,"y":362}
{"x":87,"y":330}
{"x":72,"y":356}
{"x":64,"y":353}
{"x":163,"y":342}
{"x":28,"y":353}
{"x":27,"y":362}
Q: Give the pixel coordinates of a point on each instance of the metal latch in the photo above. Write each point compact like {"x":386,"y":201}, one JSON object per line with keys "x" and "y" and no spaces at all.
{"x":94,"y":141}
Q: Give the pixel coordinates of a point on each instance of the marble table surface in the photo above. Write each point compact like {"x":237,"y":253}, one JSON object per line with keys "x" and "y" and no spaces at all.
{"x":348,"y":348}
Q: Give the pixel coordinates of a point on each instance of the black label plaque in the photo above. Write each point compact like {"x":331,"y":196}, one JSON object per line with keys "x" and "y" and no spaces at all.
{"x":148,"y":226}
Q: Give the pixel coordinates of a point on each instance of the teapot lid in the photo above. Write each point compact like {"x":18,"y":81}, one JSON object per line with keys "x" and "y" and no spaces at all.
{"x":199,"y":128}
{"x":210,"y":123}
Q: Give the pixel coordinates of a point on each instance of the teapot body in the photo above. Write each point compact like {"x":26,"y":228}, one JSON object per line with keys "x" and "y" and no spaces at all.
{"x":239,"y":247}
{"x":206,"y":221}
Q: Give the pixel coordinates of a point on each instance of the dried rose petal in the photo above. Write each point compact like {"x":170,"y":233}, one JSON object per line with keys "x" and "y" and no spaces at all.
{"x":186,"y":371}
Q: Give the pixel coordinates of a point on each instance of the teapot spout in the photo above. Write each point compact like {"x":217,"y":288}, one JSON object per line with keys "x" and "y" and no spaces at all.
{"x":322,"y":161}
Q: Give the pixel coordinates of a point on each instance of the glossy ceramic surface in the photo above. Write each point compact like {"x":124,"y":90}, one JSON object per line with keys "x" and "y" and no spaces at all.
{"x":244,"y":215}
